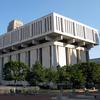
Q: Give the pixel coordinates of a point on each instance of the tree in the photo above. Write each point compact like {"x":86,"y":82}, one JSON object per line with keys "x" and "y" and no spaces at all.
{"x":63,"y":74}
{"x":91,"y":72}
{"x":77,"y":77}
{"x":50,"y":75}
{"x":95,"y":72}
{"x":36,"y":74}
{"x":14,"y":70}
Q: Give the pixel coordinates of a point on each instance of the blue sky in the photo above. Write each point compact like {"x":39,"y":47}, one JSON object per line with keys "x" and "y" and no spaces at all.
{"x":85,"y":11}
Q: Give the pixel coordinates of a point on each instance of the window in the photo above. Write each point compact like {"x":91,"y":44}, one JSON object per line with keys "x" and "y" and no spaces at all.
{"x":29,"y":58}
{"x":50,"y":24}
{"x":2,"y":61}
{"x":61,"y":24}
{"x":36,"y":28}
{"x":18,"y":57}
{"x":50,"y":56}
{"x":65,"y":25}
{"x":45,"y":25}
{"x":78,"y":56}
{"x":21,"y":35}
{"x":40,"y":26}
{"x":40,"y":51}
{"x":84,"y":32}
{"x":73,"y":28}
{"x":37,"y":54}
{"x":9,"y":57}
{"x":56,"y":22}
{"x":32,"y":29}
{"x":66,"y":49}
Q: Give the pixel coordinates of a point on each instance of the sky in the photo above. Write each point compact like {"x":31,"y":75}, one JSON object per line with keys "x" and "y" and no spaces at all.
{"x":85,"y":11}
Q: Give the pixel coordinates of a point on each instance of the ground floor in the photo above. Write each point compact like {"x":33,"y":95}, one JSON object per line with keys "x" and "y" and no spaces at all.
{"x":50,"y":54}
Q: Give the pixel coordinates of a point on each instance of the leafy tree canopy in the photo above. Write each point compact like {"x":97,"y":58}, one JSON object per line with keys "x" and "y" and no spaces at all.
{"x":14,"y":70}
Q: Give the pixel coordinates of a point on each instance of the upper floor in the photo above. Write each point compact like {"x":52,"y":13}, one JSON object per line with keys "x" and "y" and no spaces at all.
{"x":50,"y":27}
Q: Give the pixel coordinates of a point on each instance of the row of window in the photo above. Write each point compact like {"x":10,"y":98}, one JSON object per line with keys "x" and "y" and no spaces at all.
{"x":26,"y":57}
{"x":43,"y":26}
{"x":27,"y":31}
{"x":70,"y":27}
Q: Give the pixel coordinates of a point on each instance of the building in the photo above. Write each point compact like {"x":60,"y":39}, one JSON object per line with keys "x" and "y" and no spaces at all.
{"x":96,"y":60}
{"x":52,"y":40}
{"x":13,"y":25}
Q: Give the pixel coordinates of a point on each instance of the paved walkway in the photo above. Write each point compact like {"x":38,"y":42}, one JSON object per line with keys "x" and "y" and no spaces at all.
{"x":76,"y":97}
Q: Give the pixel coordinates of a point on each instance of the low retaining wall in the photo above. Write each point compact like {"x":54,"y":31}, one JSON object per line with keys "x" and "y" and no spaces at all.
{"x":23,"y":97}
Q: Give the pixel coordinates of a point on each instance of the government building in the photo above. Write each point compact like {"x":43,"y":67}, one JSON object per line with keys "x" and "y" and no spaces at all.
{"x":52,"y":40}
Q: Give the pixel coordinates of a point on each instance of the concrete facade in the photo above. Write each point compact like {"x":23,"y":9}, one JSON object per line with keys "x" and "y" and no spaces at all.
{"x":52,"y":40}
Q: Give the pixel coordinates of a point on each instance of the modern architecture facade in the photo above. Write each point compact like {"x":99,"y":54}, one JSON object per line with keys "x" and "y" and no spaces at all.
{"x":52,"y":40}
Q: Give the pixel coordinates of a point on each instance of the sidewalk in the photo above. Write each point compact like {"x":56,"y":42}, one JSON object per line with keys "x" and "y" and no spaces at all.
{"x":75,"y":97}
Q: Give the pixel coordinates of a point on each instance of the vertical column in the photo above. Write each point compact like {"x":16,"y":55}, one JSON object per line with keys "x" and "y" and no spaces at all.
{"x":54,"y":56}
{"x":22,"y":57}
{"x":13,"y":57}
{"x":57,"y":53}
{"x":33,"y":57}
{"x":6,"y":59}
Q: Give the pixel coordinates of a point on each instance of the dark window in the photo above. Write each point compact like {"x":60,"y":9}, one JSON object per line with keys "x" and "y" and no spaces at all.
{"x":93,"y":35}
{"x":45,"y":25}
{"x":61,"y":24}
{"x":21,"y":35}
{"x":50,"y":57}
{"x":2,"y":62}
{"x":96,"y":38}
{"x":50,"y":23}
{"x":84,"y":32}
{"x":32,"y":29}
{"x":10,"y":58}
{"x":40,"y":55}
{"x":36,"y":27}
{"x":29,"y":58}
{"x":66,"y":49}
{"x":78,"y":56}
{"x":2,"y":67}
{"x":73,"y":28}
{"x":19,"y":57}
{"x":40,"y":26}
